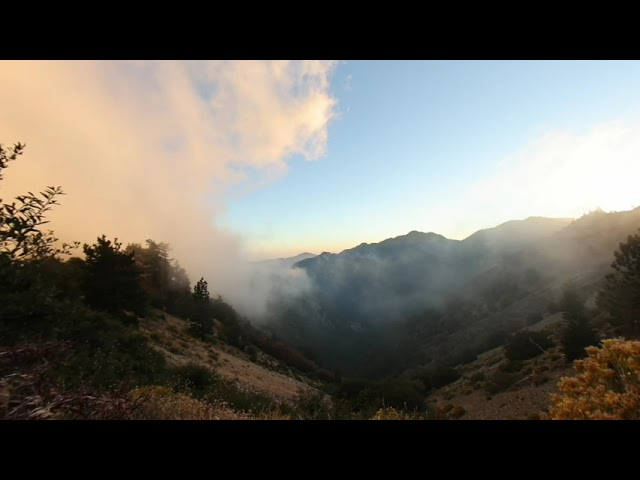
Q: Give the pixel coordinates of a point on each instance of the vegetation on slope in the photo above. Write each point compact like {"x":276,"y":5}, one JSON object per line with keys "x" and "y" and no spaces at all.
{"x":70,"y":339}
{"x":71,"y":345}
{"x":606,"y":387}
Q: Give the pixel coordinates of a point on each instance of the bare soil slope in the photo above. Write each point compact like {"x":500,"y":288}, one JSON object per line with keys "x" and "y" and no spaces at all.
{"x":170,"y":336}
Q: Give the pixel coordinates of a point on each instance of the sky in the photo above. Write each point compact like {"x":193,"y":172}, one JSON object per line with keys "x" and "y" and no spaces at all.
{"x":229,"y":161}
{"x":453,"y":147}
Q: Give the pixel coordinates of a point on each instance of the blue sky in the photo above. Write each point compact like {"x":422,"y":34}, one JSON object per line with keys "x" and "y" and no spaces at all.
{"x":450,"y":147}
{"x":229,"y":160}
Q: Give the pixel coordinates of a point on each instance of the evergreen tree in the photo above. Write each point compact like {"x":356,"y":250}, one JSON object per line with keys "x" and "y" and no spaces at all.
{"x":112,"y":282}
{"x":201,"y":291}
{"x":202,"y":311}
{"x":577,"y":332}
{"x":163,"y":278}
{"x":620,"y":295}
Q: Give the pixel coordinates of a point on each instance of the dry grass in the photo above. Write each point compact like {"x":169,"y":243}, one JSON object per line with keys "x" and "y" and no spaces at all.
{"x":390,"y":413}
{"x":171,"y":338}
{"x":526,"y":397}
{"x":161,"y":403}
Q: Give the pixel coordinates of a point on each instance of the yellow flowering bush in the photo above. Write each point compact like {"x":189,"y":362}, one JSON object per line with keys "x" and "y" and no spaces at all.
{"x":162,"y":403}
{"x":390,"y":413}
{"x":607,"y":386}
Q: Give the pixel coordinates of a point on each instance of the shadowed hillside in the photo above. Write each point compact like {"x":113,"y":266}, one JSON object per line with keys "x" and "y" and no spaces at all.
{"x":421,"y":298}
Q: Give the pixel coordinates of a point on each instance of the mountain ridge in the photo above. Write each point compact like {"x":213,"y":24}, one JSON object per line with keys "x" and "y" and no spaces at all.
{"x":462,"y":290}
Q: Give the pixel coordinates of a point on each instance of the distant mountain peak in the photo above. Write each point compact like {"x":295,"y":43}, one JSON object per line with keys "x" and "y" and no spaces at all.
{"x":416,"y":236}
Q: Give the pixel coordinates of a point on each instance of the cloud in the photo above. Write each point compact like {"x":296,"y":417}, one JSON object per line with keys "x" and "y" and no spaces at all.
{"x":149,"y":149}
{"x":271,"y":282}
{"x":565,"y":173}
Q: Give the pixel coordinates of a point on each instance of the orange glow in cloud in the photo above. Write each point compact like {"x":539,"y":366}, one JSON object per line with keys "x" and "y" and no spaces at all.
{"x":147,"y":149}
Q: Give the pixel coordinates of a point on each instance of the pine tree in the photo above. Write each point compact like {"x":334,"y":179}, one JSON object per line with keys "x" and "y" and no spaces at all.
{"x":202,"y":311}
{"x":201,"y":291}
{"x":113,"y":280}
{"x":163,"y":278}
{"x":577,"y":332}
{"x":620,"y":295}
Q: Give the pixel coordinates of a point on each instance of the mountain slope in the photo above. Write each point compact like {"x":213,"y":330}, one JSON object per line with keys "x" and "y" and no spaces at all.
{"x":169,"y":335}
{"x":422,"y":298}
{"x":516,"y":234}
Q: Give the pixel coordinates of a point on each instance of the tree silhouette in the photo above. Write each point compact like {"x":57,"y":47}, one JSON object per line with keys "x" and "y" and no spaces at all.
{"x":201,"y":291}
{"x":202,"y":311}
{"x":163,"y":278}
{"x":112,"y":284}
{"x":21,"y":237}
{"x":620,"y":295}
{"x":577,"y":332}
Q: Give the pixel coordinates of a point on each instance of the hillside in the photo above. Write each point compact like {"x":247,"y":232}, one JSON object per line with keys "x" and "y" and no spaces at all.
{"x":266,"y":375}
{"x":122,"y":332}
{"x":380,"y":308}
{"x":493,"y":388}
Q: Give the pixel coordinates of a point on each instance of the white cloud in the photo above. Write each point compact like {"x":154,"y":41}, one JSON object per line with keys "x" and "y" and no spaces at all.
{"x":565,"y":173}
{"x":147,"y":149}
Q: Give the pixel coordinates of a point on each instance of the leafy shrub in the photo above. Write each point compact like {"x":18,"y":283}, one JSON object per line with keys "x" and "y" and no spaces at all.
{"x":195,"y":379}
{"x":457,"y":412}
{"x":577,"y":332}
{"x":390,"y":413}
{"x":607,"y":386}
{"x":253,"y":353}
{"x":402,"y":394}
{"x":243,"y":399}
{"x":525,"y":345}
{"x":437,"y":377}
{"x":312,"y":405}
{"x":575,"y":336}
{"x":162,"y":403}
{"x":205,"y":384}
{"x":620,"y":294}
{"x":451,"y":411}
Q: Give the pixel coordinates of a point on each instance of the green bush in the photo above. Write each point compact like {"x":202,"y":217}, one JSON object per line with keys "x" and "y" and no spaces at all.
{"x":437,"y":377}
{"x":451,"y":411}
{"x":312,"y":405}
{"x":203,"y":383}
{"x":195,"y":379}
{"x":527,"y":344}
{"x":106,"y":353}
{"x":478,"y":377}
{"x":575,"y":336}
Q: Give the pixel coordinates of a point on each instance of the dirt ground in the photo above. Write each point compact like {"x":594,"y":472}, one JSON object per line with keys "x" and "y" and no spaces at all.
{"x":171,"y":337}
